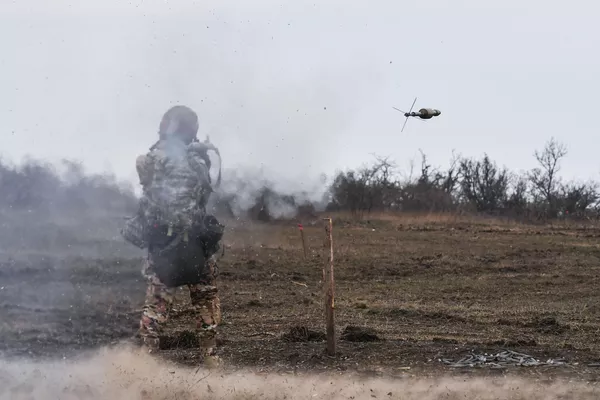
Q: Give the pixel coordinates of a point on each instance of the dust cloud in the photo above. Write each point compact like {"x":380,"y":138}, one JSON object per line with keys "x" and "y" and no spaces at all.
{"x":125,"y":373}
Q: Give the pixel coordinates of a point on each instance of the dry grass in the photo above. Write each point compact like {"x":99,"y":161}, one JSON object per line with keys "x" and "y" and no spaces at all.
{"x":453,"y":218}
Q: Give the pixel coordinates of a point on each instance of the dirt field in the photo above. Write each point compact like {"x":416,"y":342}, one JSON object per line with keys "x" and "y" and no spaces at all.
{"x":430,"y":287}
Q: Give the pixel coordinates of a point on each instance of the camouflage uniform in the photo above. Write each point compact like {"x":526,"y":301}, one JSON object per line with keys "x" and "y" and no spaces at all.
{"x":176,"y":182}
{"x":176,"y":185}
{"x":159,"y":301}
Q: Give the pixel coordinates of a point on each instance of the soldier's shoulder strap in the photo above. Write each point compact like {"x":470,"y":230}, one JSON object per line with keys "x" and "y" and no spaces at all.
{"x":203,"y":148}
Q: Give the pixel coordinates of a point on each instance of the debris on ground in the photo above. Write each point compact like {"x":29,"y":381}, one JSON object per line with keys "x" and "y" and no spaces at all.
{"x":503,"y":359}
{"x":359,"y":334}
{"x":303,"y":334}
{"x":594,"y":365}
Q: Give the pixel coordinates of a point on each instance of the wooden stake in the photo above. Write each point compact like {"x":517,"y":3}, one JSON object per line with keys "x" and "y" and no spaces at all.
{"x":302,"y":236}
{"x":329,"y":284}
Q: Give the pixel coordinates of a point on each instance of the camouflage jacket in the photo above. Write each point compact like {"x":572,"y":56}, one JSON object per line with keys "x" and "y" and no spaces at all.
{"x":176,"y":183}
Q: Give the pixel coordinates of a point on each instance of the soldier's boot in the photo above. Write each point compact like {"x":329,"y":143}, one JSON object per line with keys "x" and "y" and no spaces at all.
{"x":150,"y":342}
{"x":207,"y":354}
{"x":159,"y":301}
{"x":205,"y":301}
{"x":150,"y":345}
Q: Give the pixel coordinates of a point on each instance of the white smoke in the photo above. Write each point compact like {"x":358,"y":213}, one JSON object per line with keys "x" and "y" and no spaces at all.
{"x":243,"y":189}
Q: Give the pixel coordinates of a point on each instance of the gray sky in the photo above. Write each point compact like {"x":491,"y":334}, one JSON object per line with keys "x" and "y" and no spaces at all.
{"x":91,"y":79}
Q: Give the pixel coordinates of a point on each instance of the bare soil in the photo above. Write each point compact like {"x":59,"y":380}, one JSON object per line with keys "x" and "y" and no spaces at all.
{"x":423,"y":289}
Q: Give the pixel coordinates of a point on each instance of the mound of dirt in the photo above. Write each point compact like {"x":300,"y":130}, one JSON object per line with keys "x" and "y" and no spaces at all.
{"x":303,"y":334}
{"x":515,"y":342}
{"x":360,"y":334}
{"x":548,"y":325}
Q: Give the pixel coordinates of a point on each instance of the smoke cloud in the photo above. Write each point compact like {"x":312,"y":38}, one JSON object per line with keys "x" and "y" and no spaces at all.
{"x":246,"y":192}
{"x":115,"y":374}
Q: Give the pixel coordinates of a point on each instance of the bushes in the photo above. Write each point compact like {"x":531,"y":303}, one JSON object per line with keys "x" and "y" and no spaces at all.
{"x":468,"y":184}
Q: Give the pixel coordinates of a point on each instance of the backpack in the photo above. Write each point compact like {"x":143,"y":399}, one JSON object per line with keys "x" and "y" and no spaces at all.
{"x":172,"y":221}
{"x":177,"y":262}
{"x":176,"y":183}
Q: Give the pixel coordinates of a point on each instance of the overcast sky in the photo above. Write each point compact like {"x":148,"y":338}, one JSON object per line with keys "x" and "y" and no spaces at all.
{"x":301,"y":87}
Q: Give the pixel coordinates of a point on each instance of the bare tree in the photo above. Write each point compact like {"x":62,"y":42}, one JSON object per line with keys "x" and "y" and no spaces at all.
{"x":385,"y":168}
{"x":431,"y":191}
{"x":369,"y":188}
{"x":425,"y":170}
{"x":449,"y":180}
{"x":544,"y":179}
{"x":483,"y":184}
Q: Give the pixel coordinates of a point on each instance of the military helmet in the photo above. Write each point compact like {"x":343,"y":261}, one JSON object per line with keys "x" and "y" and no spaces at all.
{"x":180,"y":121}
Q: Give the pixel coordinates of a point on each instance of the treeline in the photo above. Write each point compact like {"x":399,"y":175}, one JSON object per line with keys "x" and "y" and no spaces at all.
{"x":473,"y":185}
{"x":46,"y":189}
{"x":466,"y":185}
{"x":39,"y":186}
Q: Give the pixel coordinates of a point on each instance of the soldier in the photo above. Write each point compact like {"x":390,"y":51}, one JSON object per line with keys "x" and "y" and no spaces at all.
{"x":172,"y":222}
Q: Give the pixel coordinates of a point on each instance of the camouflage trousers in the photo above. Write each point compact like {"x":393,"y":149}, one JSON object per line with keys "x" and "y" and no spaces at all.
{"x":204,"y":301}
